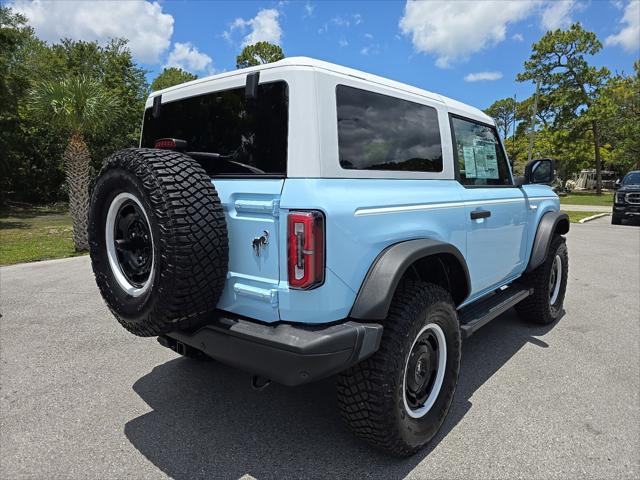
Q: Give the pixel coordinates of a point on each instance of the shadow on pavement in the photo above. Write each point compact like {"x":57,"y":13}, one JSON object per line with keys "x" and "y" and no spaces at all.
{"x":207,"y":422}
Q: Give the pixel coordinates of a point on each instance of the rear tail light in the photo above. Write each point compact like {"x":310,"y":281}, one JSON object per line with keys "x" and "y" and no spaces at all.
{"x":306,"y":249}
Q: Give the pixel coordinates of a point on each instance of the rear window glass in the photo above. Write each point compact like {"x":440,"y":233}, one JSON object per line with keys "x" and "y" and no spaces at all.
{"x":379,"y":132}
{"x":250,"y":137}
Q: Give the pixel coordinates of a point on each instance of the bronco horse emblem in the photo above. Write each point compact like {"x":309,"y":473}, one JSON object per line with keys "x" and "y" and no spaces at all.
{"x":259,"y":242}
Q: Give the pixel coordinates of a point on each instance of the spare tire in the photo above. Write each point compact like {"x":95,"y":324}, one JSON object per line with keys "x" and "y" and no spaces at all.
{"x":158,"y":240}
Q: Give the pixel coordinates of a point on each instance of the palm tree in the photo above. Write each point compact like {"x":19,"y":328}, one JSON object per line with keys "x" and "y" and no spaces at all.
{"x":78,"y":105}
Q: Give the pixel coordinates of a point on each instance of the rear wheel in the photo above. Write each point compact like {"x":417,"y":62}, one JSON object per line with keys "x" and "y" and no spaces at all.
{"x":398,"y":398}
{"x":549,"y":283}
{"x":158,"y":240}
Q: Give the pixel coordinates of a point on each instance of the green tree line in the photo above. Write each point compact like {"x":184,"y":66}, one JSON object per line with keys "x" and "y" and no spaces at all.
{"x":38,"y":116}
{"x":66,"y":106}
{"x":583,"y":116}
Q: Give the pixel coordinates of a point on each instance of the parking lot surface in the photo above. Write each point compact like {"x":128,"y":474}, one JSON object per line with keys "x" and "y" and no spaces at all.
{"x":82,"y":398}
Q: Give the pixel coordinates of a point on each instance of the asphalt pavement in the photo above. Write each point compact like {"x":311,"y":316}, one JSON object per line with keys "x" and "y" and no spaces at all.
{"x":81,"y":398}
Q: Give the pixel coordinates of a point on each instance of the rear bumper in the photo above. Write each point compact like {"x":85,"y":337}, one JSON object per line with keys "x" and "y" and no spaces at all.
{"x":287,"y":354}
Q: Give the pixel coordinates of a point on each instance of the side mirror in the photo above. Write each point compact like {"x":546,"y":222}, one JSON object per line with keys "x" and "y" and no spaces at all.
{"x":616,"y":185}
{"x":540,"y":171}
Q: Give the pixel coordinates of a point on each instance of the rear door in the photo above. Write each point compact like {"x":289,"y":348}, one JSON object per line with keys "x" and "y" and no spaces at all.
{"x":496,"y":210}
{"x":242,"y":144}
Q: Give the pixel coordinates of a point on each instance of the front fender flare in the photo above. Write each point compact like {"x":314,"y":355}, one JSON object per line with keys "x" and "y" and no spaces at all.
{"x":550,"y":223}
{"x":382,"y":279}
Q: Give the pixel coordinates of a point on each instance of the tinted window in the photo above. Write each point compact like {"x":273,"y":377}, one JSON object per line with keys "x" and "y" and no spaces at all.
{"x":378,"y":132}
{"x":481,"y":160}
{"x":252,"y":138}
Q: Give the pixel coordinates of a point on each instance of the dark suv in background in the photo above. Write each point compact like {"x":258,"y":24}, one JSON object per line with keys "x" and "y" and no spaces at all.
{"x":626,"y":201}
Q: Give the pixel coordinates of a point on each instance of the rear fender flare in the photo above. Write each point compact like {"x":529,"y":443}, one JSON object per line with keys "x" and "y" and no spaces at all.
{"x":384,"y":275}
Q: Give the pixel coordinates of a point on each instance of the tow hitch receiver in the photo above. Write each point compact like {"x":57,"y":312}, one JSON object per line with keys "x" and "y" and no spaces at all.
{"x":178,"y":347}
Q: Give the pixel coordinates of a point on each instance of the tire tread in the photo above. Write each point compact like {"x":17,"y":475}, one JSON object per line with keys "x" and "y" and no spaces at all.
{"x":193,"y":239}
{"x":366,"y":391}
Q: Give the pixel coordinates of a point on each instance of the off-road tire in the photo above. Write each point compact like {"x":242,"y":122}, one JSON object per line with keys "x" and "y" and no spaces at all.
{"x":371,"y":393}
{"x":537,"y":307}
{"x":616,"y":219}
{"x":189,"y":233}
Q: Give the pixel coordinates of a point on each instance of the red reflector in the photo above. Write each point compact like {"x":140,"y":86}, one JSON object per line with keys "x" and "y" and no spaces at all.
{"x":165,"y":143}
{"x":305,"y":234}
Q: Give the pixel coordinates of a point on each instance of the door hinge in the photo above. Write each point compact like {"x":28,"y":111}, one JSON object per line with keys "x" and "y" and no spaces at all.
{"x":258,"y":206}
{"x":275,"y":208}
{"x":269,"y":295}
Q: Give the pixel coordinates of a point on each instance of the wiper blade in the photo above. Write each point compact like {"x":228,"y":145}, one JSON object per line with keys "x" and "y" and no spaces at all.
{"x":209,"y":154}
{"x":226,"y":157}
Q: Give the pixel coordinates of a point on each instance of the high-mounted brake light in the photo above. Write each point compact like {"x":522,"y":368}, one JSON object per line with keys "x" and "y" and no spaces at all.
{"x":305,"y":249}
{"x":170,"y":144}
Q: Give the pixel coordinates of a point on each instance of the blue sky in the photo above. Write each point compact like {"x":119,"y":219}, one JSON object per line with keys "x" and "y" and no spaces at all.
{"x":470,"y":51}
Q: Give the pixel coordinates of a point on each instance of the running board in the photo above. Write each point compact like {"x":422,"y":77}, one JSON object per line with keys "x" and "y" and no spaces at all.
{"x":483,"y":311}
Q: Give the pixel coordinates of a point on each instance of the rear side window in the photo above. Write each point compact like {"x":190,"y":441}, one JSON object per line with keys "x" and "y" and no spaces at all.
{"x":481,"y":160}
{"x":251,"y":138}
{"x":379,"y":132}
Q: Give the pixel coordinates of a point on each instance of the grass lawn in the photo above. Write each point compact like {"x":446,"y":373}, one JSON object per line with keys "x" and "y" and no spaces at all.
{"x":578,"y":198}
{"x":29,"y":233}
{"x":575,"y":217}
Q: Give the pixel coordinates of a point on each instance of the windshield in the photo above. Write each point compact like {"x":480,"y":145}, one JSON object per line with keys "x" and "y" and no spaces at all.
{"x":632,"y":178}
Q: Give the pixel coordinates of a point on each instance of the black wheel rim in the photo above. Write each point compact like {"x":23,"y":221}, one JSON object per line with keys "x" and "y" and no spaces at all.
{"x":421,"y":370}
{"x":132,"y":242}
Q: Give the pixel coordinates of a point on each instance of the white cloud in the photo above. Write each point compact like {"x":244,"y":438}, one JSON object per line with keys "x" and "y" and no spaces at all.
{"x":142,"y":23}
{"x":343,"y":42}
{"x":368,"y":35}
{"x":629,"y":35}
{"x":341,"y":21}
{"x":308,"y":9}
{"x":372,"y":49}
{"x":517,"y":37}
{"x":344,"y":21}
{"x":557,"y":14}
{"x":265,"y":27}
{"x":455,"y":30}
{"x":189,"y":58}
{"x":483,"y":76}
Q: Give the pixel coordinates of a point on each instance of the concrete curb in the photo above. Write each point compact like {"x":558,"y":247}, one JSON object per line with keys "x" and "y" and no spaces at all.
{"x":593,"y":217}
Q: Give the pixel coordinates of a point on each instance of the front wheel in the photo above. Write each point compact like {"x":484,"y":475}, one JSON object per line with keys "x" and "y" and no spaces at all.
{"x":549,"y":283}
{"x":616,"y":219}
{"x":398,"y":398}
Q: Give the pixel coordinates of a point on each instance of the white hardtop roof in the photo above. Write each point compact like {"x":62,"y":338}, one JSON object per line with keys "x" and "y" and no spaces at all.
{"x":453,"y":105}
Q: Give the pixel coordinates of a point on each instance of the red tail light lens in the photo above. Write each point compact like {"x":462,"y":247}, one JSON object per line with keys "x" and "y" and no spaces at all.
{"x":306,"y":249}
{"x":170,"y":144}
{"x":165,"y":143}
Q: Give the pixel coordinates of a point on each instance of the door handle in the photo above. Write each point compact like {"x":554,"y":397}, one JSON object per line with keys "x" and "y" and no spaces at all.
{"x":477,"y":214}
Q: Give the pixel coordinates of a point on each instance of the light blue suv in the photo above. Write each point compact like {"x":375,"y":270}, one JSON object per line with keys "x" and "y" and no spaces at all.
{"x":301,"y":219}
